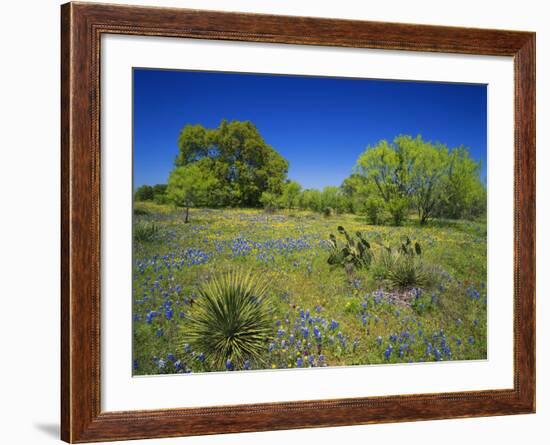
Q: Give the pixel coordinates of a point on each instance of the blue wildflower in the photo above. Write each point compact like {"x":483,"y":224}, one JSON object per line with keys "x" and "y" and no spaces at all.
{"x":388,"y":351}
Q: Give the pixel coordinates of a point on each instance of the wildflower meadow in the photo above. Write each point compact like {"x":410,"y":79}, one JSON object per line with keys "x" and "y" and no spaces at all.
{"x":296,"y":222}
{"x":320,"y":316}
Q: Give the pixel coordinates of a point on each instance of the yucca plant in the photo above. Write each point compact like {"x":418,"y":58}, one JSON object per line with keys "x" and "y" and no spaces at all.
{"x":407,"y":272}
{"x":403,"y":266}
{"x":145,"y":231}
{"x":231,"y":321}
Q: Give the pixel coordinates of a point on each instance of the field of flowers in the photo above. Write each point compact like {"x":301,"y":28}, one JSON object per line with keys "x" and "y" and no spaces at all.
{"x":322,"y":316}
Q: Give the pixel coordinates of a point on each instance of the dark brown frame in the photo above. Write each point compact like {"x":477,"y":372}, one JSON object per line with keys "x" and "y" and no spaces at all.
{"x":82,"y":25}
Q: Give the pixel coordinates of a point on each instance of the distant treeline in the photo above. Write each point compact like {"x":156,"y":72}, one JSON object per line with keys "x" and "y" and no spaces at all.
{"x":232,"y":166}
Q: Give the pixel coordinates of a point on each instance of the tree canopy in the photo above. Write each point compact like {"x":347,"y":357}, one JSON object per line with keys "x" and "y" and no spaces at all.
{"x":232,"y":165}
{"x":411,"y":172}
{"x":192,"y":185}
{"x":243,"y":163}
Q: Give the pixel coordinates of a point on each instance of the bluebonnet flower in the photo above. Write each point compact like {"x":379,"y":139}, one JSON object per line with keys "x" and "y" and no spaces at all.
{"x":473,"y":293}
{"x":333,"y":324}
{"x":169,"y":313}
{"x":229,"y":365}
{"x":388,"y":351}
{"x":178,"y":365}
{"x":161,"y":363}
{"x":160,"y":332}
{"x":299,"y":362}
{"x":402,"y":349}
{"x":201,"y":357}
{"x":136,"y":364}
{"x":379,"y":340}
{"x":246,"y":364}
{"x":317,"y":333}
{"x":471,"y":340}
{"x":170,"y":357}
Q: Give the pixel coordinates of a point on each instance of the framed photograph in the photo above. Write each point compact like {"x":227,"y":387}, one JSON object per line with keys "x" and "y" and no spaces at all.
{"x":274,"y":222}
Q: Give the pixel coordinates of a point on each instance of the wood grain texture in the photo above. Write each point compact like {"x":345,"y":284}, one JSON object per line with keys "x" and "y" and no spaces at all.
{"x":81,"y":28}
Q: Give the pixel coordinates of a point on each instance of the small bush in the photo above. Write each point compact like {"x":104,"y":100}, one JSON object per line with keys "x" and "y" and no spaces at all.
{"x":406,"y":272}
{"x":397,"y":207}
{"x":230,"y":322}
{"x":140,"y":212}
{"x":375,"y":208}
{"x":328,"y":211}
{"x":145,"y":231}
{"x":270,"y":201}
{"x":403,"y":267}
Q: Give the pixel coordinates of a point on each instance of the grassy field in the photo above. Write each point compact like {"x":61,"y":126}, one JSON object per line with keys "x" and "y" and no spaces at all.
{"x":321,"y":316}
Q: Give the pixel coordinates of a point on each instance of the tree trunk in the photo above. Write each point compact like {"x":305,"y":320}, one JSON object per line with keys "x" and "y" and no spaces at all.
{"x":186,"y":215}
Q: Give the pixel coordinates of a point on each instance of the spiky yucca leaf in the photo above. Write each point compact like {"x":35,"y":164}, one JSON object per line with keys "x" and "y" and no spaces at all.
{"x":230,"y":321}
{"x":407,"y":272}
{"x":145,"y":231}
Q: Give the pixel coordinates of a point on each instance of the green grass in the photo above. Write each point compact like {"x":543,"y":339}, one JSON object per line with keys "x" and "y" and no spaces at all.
{"x":321,"y":317}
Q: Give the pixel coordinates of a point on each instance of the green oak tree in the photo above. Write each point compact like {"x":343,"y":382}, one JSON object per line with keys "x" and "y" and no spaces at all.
{"x":191,"y":185}
{"x":244,"y":164}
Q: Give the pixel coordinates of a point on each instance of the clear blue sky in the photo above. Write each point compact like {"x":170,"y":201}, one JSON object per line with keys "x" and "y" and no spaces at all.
{"x":319,"y":124}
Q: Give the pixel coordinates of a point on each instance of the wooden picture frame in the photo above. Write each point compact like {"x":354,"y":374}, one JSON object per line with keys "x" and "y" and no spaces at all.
{"x":82,"y":25}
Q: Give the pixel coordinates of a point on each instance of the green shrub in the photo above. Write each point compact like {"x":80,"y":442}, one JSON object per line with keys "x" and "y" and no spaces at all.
{"x":328,"y":211}
{"x":397,"y":207}
{"x":355,"y":253}
{"x":145,"y":231}
{"x":230,"y":322}
{"x":138,"y":211}
{"x":406,"y":272}
{"x":270,"y":201}
{"x":403,"y":266}
{"x":375,"y":208}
